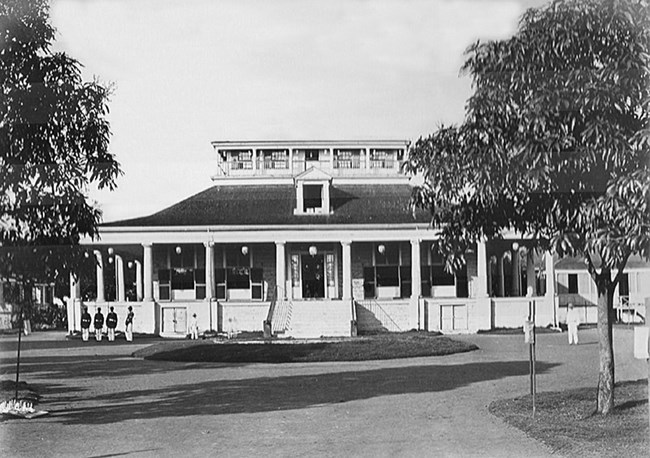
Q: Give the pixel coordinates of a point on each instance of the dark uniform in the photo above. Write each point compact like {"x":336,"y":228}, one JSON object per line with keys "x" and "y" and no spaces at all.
{"x":111,"y":324}
{"x":99,"y":324}
{"x":85,"y":324}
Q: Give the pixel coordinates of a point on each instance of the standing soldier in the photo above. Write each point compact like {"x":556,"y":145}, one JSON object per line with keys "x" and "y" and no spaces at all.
{"x":129,"y":325}
{"x":85,"y":324}
{"x":99,"y":324}
{"x":111,"y":324}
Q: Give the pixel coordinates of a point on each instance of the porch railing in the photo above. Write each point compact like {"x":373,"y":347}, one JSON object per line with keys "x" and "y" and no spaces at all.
{"x":279,"y":315}
{"x":374,"y":307}
{"x":354,"y":324}
{"x":630,"y":309}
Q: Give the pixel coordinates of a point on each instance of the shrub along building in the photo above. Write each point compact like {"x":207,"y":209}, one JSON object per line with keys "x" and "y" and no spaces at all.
{"x":307,"y":239}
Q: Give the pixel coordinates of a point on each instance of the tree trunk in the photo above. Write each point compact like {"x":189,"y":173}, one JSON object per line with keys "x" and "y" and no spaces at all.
{"x":605,"y":346}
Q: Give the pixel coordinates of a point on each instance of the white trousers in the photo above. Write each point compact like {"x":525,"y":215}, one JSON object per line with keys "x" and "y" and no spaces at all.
{"x":573,"y":333}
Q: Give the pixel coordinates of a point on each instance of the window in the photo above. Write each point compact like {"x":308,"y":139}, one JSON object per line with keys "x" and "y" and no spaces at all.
{"x":624,"y":286}
{"x":295,"y":271}
{"x":182,"y":278}
{"x":435,"y":275}
{"x":238,"y":268}
{"x":199,"y":282}
{"x":387,"y":254}
{"x":274,"y":159}
{"x":164,"y":284}
{"x":383,"y":159}
{"x":573,"y":283}
{"x":347,"y":159}
{"x":440,"y":277}
{"x":387,"y":275}
{"x":220,"y":281}
{"x":257,"y":283}
{"x":312,"y":198}
{"x":241,"y":160}
{"x":329,"y":269}
{"x":312,"y":154}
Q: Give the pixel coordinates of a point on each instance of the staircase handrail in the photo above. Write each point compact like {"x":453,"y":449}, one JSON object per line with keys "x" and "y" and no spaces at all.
{"x":279,"y":314}
{"x":374,"y":302}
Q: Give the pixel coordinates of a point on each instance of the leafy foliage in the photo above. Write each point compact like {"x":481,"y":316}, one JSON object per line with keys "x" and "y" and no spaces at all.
{"x":54,"y":137}
{"x":555,"y":139}
{"x":555,"y":145}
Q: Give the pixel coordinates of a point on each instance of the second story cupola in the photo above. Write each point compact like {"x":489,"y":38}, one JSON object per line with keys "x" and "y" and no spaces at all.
{"x":267,"y":162}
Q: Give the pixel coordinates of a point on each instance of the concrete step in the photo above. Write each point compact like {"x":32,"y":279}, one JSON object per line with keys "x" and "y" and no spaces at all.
{"x":313,"y":319}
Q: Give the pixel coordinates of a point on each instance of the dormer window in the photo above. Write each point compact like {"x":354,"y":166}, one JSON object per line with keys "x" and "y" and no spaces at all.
{"x":313,"y":192}
{"x":312,"y":196}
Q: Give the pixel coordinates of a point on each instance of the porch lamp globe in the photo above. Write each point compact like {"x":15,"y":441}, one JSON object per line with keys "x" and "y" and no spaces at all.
{"x":244,"y":250}
{"x":515,"y":246}
{"x":381,"y":248}
{"x":178,"y":250}
{"x":313,"y":250}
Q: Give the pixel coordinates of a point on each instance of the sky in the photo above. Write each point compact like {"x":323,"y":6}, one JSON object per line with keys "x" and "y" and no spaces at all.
{"x":186,"y":73}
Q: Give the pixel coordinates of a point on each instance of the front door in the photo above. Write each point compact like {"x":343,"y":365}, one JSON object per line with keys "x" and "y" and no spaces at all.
{"x":313,"y":276}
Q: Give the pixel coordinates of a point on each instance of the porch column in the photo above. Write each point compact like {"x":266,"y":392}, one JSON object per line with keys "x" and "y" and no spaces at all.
{"x":550,"y":283}
{"x":74,"y":287}
{"x":119,"y":278}
{"x":280,"y":270}
{"x":347,"y":269}
{"x":291,"y":161}
{"x":148,"y":272}
{"x":516,"y":273}
{"x":416,"y":277}
{"x":75,"y":304}
{"x":209,"y":270}
{"x":100,"y":276}
{"x":482,"y":270}
{"x":530,"y":273}
{"x":138,"y":280}
{"x":502,"y":280}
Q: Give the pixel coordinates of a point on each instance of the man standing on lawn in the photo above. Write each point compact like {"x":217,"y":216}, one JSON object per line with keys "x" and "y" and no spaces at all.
{"x":85,"y":324}
{"x":111,"y":324}
{"x":572,"y":321}
{"x":99,"y":324}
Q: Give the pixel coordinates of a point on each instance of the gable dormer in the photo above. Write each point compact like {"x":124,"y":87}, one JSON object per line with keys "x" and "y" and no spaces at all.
{"x":312,"y":192}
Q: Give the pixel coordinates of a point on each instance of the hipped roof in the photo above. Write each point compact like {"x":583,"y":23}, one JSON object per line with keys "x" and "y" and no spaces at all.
{"x":274,"y":205}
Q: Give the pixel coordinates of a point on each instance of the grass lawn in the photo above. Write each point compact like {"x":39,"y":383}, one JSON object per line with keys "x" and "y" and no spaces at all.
{"x":383,"y":346}
{"x":565,"y":421}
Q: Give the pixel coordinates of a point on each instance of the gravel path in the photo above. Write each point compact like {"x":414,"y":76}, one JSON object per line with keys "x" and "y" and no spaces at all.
{"x":104,"y":403}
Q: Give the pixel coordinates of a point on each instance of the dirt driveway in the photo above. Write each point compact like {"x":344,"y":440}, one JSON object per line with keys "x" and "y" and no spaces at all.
{"x":105,"y":403}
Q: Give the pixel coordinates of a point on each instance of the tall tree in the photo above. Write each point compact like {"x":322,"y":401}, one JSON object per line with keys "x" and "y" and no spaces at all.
{"x":555,"y":145}
{"x":54,"y":137}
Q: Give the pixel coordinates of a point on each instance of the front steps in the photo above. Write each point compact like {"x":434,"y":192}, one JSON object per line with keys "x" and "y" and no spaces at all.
{"x":319,"y":318}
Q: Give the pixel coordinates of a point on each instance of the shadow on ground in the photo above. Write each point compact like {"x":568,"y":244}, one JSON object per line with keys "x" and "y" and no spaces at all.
{"x":284,"y":393}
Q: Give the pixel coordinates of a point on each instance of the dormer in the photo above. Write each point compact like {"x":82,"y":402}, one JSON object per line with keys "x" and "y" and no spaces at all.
{"x":312,"y":192}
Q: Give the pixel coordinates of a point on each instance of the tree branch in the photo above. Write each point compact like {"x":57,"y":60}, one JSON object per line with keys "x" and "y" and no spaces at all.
{"x":620,"y":268}
{"x":590,"y":267}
